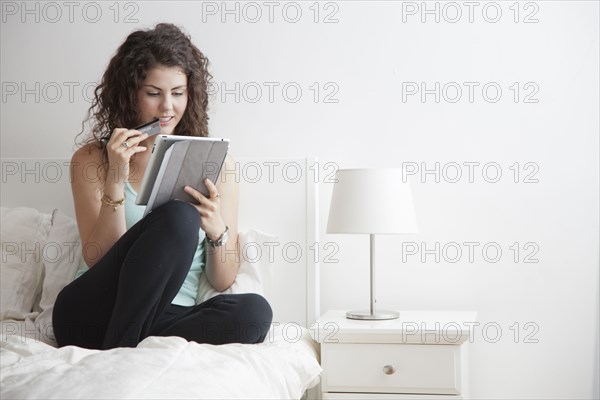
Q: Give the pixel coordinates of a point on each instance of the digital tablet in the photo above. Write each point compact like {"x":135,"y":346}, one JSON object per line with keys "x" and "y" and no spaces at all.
{"x":171,"y":168}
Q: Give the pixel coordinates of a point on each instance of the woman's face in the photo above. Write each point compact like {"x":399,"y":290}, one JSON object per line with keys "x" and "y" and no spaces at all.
{"x":163,"y":95}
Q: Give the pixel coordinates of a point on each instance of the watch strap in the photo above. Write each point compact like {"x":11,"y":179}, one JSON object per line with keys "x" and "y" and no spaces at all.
{"x":220,"y":241}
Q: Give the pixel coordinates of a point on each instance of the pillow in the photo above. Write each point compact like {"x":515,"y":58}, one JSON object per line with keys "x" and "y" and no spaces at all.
{"x":254,"y":275}
{"x":24,"y":233}
{"x":62,"y":256}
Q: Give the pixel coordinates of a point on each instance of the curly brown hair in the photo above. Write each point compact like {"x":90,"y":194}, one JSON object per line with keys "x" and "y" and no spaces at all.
{"x":115,"y":103}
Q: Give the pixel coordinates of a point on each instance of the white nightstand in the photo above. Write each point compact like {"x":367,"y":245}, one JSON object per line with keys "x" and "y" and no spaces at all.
{"x":421,"y":355}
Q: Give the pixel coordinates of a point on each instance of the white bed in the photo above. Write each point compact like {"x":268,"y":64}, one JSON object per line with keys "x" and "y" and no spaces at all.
{"x":36,"y":194}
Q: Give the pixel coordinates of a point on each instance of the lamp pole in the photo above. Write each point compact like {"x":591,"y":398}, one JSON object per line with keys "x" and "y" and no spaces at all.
{"x":372,"y":262}
{"x":372,"y":313}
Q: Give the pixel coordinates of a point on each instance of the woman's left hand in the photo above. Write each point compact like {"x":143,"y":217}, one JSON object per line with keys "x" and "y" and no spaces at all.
{"x":209,"y":208}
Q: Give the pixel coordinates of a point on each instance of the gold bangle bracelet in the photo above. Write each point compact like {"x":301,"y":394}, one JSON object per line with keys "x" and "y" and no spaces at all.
{"x":109,"y":202}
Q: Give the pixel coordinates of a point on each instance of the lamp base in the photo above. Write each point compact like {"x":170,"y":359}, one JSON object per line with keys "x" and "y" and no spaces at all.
{"x":378,"y":314}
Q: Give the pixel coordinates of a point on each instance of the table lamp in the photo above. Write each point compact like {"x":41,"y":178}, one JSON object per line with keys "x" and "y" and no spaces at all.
{"x":372,"y":201}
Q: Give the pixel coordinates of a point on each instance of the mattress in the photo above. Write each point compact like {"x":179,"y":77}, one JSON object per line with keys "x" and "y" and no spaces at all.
{"x":283,"y":366}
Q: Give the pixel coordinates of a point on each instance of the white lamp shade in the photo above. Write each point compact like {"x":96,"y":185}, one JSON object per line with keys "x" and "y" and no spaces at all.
{"x":374,"y":201}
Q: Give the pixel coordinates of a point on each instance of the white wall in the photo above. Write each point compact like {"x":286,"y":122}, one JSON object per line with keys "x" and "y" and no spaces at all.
{"x":364,"y":55}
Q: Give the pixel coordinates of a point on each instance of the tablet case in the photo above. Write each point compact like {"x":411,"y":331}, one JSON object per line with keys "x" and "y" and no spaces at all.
{"x":184,"y":163}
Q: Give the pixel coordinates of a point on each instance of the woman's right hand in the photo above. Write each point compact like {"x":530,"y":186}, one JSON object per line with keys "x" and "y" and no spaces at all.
{"x":119,"y":155}
{"x":101,"y":226}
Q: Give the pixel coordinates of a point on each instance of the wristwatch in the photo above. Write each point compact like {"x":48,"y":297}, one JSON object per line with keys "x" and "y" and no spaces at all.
{"x":220,"y":241}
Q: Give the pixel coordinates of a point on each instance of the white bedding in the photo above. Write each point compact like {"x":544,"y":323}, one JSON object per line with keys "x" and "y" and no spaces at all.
{"x":284,"y":366}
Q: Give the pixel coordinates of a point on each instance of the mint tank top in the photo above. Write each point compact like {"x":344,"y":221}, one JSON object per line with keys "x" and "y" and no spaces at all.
{"x":189,"y":290}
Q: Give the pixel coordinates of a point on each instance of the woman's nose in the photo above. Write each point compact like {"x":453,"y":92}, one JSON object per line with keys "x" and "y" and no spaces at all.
{"x":167,"y":103}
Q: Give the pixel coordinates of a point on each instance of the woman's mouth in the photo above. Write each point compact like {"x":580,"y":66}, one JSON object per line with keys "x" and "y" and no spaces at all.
{"x":165,"y":120}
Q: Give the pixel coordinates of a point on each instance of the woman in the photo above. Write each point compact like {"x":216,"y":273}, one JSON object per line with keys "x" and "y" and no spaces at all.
{"x":141,"y":274}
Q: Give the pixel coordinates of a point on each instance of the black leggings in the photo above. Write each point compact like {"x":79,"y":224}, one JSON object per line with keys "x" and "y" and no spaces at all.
{"x":127,"y":295}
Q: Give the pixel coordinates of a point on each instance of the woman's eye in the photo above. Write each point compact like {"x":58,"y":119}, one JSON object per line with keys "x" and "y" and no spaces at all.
{"x":153,"y":93}
{"x":178,"y":94}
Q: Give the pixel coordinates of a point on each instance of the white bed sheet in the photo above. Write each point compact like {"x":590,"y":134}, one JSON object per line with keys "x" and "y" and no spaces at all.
{"x":284,"y":366}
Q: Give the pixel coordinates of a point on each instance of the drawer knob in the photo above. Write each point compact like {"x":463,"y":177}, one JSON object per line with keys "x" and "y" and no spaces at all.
{"x":389,"y":369}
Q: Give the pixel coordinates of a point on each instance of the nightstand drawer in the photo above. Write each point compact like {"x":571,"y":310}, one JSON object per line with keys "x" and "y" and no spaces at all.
{"x":391,"y":368}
